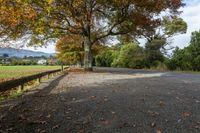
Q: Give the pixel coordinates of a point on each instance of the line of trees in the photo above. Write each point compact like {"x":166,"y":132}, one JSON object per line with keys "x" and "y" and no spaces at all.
{"x":131,"y":55}
{"x":187,"y":58}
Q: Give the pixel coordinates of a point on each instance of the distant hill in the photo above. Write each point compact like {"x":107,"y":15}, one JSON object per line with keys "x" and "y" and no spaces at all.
{"x":21,"y":53}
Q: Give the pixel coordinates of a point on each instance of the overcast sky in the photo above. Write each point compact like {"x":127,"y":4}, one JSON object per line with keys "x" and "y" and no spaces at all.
{"x":191,"y":14}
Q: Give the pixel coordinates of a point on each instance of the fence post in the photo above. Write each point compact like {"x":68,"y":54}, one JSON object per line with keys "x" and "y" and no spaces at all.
{"x":48,"y":75}
{"x":39,"y":80}
{"x":21,"y":87}
{"x":62,"y":68}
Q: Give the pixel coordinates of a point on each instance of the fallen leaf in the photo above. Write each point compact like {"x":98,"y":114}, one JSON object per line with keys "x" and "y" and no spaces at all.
{"x":10,"y":129}
{"x":152,"y":113}
{"x":158,"y":131}
{"x":105,"y":99}
{"x":56,"y":127}
{"x":197,"y":101}
{"x":153,"y":124}
{"x":92,"y":97}
{"x":48,"y":116}
{"x":105,"y":122}
{"x":21,"y":117}
{"x":161,"y":103}
{"x":113,"y":112}
{"x":43,"y":131}
{"x":197,"y":127}
{"x":69,"y":118}
{"x":186,"y":114}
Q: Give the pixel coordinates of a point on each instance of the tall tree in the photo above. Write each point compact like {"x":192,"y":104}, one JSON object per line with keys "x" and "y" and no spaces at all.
{"x":94,"y":20}
{"x":70,"y":49}
{"x":158,"y":40}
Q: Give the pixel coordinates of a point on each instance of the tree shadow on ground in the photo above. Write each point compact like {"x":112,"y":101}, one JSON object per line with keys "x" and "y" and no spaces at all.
{"x":112,"y":106}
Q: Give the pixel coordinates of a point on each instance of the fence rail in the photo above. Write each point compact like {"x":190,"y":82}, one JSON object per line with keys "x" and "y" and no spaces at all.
{"x":7,"y":85}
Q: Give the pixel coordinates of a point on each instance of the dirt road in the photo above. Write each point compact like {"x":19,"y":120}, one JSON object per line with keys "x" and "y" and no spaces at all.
{"x":107,"y":101}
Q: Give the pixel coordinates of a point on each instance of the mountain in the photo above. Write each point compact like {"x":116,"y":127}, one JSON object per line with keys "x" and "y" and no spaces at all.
{"x":21,"y":53}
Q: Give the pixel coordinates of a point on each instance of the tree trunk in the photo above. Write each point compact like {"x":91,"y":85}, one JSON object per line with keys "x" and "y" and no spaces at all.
{"x":87,"y":54}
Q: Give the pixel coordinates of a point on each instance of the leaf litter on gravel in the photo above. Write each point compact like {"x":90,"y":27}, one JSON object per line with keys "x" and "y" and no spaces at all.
{"x":152,"y":113}
{"x":158,"y":131}
{"x":186,"y":114}
{"x":162,"y":103}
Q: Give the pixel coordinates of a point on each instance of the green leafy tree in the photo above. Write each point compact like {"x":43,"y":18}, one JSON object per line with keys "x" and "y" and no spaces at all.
{"x":158,"y":40}
{"x":104,"y":58}
{"x":153,"y":50}
{"x":131,"y":55}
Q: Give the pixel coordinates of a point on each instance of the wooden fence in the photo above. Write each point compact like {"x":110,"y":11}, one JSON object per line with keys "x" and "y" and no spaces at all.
{"x":7,"y":85}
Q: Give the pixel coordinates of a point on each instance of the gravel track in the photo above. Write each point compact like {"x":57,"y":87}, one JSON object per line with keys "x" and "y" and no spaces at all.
{"x":107,"y":100}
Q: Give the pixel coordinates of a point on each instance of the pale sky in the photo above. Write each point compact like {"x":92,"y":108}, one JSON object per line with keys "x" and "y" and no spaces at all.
{"x":191,"y":14}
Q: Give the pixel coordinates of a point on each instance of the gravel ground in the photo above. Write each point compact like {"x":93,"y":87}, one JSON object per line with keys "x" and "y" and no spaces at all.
{"x":107,"y":101}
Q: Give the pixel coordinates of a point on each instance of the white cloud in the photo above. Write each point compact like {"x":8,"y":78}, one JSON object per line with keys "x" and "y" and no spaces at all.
{"x":192,"y":17}
{"x":48,"y":49}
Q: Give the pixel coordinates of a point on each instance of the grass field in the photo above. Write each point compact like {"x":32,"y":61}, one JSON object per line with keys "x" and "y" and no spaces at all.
{"x":13,"y":72}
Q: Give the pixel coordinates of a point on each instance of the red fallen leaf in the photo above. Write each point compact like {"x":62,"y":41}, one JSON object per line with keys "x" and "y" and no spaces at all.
{"x":158,"y":131}
{"x":186,"y":114}
{"x":161,"y":103}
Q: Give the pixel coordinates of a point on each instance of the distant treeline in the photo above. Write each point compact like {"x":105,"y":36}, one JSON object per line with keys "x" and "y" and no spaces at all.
{"x":40,"y":60}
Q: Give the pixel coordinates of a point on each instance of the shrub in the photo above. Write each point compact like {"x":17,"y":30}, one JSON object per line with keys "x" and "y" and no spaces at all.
{"x":131,"y":55}
{"x":104,"y":58}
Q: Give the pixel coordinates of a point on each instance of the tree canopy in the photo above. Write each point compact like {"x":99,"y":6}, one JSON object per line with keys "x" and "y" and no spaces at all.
{"x":95,"y":20}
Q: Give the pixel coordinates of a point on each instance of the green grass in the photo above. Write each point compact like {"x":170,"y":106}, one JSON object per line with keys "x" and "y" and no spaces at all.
{"x":188,"y":72}
{"x":14,"y":72}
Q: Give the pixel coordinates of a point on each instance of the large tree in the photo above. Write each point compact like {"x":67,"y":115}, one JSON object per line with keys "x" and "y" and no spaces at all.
{"x":94,"y":20}
{"x":70,"y":49}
